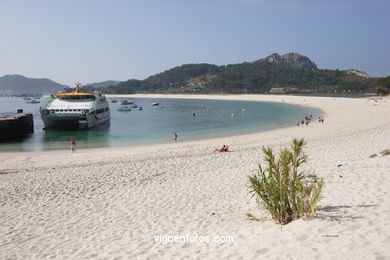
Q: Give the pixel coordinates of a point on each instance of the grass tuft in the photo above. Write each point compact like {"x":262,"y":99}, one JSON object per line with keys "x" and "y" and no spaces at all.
{"x":282,"y":189}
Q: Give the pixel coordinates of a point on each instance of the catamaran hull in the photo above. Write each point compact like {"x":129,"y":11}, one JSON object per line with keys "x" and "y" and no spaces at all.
{"x":73,"y":121}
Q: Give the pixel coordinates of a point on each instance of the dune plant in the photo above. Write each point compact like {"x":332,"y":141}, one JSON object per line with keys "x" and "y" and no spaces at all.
{"x":282,"y":189}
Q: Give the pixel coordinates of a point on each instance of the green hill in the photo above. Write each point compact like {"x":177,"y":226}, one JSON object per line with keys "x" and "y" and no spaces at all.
{"x":289,"y":73}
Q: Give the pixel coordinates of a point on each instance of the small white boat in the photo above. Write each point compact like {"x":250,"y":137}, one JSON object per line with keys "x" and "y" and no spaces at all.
{"x":155,"y":104}
{"x":124,"y":109}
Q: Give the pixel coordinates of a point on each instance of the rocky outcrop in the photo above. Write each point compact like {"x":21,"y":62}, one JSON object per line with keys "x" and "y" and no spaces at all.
{"x":358,"y":73}
{"x":294,"y":59}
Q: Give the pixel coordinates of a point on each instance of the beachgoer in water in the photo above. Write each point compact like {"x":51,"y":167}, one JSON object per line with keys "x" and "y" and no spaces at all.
{"x":175,"y":136}
{"x":224,"y":148}
{"x":73,"y":145}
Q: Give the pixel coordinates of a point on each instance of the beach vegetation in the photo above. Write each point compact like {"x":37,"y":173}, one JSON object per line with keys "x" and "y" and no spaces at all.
{"x":383,"y":85}
{"x":282,"y":188}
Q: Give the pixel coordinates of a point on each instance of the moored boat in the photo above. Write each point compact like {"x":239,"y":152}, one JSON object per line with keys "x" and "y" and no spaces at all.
{"x":76,"y":109}
{"x":124,"y":109}
{"x":33,"y":101}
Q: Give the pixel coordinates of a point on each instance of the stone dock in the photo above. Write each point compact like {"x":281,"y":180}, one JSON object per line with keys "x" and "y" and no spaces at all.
{"x":16,"y":126}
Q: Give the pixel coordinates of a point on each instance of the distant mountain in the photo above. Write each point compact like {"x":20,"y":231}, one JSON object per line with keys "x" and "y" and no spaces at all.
{"x":288,"y":73}
{"x":18,"y":84}
{"x":102,"y":84}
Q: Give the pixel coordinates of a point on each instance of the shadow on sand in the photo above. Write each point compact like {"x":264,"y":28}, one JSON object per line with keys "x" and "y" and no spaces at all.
{"x":339,"y":213}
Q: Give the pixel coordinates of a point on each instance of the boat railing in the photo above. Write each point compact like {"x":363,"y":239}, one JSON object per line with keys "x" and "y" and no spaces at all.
{"x":46,"y":102}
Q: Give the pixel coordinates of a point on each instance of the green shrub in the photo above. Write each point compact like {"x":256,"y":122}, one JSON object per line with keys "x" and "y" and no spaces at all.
{"x":282,"y":189}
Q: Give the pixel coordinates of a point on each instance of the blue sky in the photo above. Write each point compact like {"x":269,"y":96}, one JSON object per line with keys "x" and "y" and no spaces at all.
{"x":96,"y":40}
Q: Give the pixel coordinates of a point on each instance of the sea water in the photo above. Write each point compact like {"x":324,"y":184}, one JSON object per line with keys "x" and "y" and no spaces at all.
{"x":191,"y":119}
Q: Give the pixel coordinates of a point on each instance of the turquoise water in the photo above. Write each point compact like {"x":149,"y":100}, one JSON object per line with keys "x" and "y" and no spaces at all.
{"x":156,"y":124}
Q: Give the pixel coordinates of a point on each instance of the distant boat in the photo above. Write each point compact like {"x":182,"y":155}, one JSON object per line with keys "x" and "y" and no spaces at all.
{"x":114,"y":101}
{"x":139,"y":108}
{"x":124,"y":109}
{"x":33,"y":102}
{"x":126,"y":102}
{"x":155,"y":104}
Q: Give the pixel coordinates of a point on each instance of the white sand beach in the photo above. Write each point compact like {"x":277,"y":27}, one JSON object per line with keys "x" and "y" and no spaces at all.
{"x":114,"y":203}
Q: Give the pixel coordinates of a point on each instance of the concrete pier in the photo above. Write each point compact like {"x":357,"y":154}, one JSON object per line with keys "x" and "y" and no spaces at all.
{"x":16,"y":126}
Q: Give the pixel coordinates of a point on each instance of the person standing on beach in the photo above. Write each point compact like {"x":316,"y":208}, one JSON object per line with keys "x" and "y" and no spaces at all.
{"x":73,"y":145}
{"x":175,"y":136}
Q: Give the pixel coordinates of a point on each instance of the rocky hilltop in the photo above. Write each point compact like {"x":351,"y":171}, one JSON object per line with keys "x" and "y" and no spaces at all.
{"x":358,"y":73}
{"x":294,"y":59}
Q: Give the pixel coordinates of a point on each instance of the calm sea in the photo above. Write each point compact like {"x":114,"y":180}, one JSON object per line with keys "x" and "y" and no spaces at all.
{"x":190,"y":119}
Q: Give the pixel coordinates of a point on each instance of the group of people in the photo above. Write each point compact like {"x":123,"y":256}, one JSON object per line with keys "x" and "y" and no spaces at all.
{"x":308,"y":119}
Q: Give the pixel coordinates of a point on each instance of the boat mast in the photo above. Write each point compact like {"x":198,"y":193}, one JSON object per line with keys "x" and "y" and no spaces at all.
{"x":78,"y":84}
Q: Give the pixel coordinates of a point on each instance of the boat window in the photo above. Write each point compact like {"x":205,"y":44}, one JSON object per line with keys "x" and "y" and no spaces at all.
{"x":76,"y":97}
{"x":61,"y":110}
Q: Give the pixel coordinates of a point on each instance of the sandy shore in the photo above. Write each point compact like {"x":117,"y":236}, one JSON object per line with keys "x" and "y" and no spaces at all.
{"x":114,"y":203}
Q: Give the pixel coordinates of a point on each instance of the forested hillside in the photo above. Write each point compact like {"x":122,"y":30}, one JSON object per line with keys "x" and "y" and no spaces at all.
{"x":289,"y":73}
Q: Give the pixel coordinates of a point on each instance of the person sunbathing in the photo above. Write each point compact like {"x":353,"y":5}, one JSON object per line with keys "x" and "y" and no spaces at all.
{"x":224,"y":148}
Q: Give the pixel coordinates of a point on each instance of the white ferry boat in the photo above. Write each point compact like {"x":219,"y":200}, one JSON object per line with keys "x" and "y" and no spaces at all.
{"x":75,"y":109}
